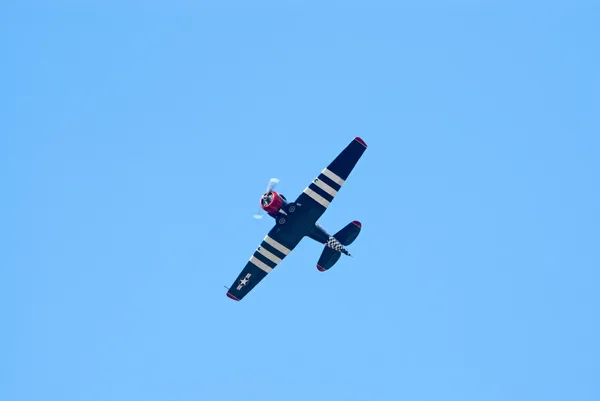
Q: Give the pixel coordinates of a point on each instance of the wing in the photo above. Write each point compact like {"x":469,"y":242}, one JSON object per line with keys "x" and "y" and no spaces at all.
{"x":278,"y":243}
{"x":315,"y":198}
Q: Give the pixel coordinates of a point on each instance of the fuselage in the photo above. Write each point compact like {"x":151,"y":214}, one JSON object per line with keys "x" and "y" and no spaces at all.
{"x":277,"y":206}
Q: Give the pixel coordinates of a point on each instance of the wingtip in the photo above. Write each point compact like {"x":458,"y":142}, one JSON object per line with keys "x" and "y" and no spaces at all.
{"x":359,"y":140}
{"x":357,"y":223}
{"x":232,"y":297}
{"x":320,"y":268}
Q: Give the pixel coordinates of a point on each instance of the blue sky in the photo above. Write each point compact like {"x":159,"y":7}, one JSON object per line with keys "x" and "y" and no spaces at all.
{"x":136,"y":140}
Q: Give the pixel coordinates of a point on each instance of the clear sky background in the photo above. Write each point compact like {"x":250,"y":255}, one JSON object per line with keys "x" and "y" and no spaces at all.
{"x":136,"y":140}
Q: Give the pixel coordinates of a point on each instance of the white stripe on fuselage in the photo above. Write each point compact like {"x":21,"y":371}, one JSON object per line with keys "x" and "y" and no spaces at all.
{"x":277,"y":245}
{"x":333,"y":176}
{"x":318,"y":198}
{"x":325,"y":187}
{"x":261,"y":265}
{"x":268,"y":255}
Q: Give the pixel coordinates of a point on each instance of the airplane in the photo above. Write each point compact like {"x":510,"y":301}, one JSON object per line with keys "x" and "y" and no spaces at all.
{"x":298,"y":219}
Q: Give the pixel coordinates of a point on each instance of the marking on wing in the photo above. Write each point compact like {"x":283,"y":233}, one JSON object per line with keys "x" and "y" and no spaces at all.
{"x":261,"y":265}
{"x":325,"y":187}
{"x":333,"y":176}
{"x":318,"y":198}
{"x":268,"y":255}
{"x":277,"y":245}
{"x":244,"y":281}
{"x":329,"y":182}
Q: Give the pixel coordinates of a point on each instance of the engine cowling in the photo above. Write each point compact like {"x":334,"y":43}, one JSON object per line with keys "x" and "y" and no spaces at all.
{"x":271,"y":202}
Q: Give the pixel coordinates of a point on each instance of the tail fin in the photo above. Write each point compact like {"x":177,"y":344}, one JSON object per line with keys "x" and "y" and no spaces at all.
{"x":335,"y":246}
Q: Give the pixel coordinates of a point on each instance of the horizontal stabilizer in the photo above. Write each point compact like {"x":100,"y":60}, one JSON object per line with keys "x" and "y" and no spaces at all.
{"x":348,"y":234}
{"x":328,"y":258}
{"x":335,"y":245}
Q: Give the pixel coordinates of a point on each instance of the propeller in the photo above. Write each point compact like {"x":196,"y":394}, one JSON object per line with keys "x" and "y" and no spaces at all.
{"x":272,"y":184}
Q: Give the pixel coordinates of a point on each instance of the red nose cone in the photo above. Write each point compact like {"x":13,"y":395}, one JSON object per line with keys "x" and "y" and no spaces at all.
{"x":274,"y":205}
{"x":359,"y":140}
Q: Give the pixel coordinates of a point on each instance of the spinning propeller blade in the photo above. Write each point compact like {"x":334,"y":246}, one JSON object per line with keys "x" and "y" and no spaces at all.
{"x":272,"y":184}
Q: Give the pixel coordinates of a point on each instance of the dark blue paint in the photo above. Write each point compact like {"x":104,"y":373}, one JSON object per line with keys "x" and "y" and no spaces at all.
{"x":303,"y":222}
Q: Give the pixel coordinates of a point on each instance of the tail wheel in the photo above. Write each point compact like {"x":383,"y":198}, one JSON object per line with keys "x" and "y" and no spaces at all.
{"x":281,"y":220}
